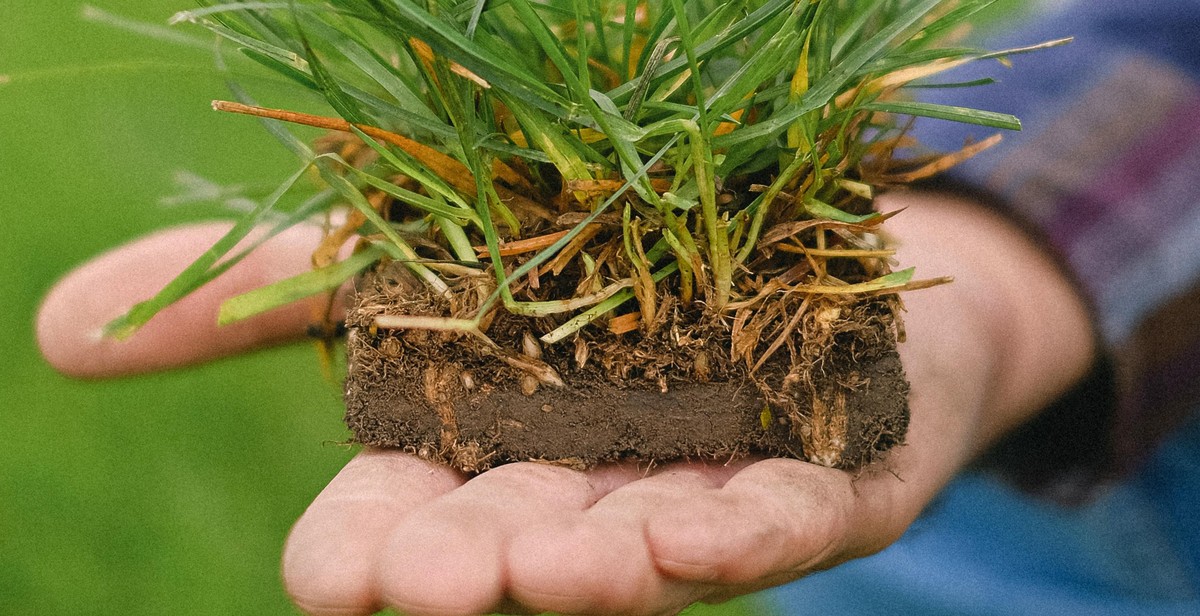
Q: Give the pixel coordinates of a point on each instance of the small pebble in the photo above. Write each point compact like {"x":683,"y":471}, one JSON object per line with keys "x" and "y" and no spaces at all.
{"x":529,"y":385}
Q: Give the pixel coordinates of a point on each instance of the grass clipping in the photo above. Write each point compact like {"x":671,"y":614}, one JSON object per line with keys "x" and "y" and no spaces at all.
{"x":637,"y":205}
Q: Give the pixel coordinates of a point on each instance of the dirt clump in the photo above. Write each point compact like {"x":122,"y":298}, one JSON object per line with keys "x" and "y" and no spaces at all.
{"x":831,"y":391}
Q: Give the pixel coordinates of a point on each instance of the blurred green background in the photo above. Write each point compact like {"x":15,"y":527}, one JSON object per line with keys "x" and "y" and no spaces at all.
{"x":168,"y":493}
{"x":163,"y":494}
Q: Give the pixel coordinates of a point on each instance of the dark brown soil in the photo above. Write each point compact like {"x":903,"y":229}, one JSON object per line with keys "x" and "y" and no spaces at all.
{"x":835,"y":394}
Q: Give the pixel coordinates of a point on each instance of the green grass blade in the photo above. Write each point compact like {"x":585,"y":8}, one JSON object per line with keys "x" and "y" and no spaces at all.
{"x":407,"y":20}
{"x":283,"y":68}
{"x":370,"y":64}
{"x":404,"y":163}
{"x":853,"y":29}
{"x":750,"y":25}
{"x":558,"y":145}
{"x":582,"y":319}
{"x":459,"y":216}
{"x":760,"y":67}
{"x":955,"y":84}
{"x":285,"y":56}
{"x":256,"y":24}
{"x":821,"y":41}
{"x":343,"y":103}
{"x":476,"y":13}
{"x":623,"y":135}
{"x":821,"y":209}
{"x":893,"y":280}
{"x":297,"y":287}
{"x":628,"y":29}
{"x":552,"y":47}
{"x":202,"y":270}
{"x":947,"y":112}
{"x":688,"y":42}
{"x":402,"y":249}
{"x":834,"y":81}
{"x":598,"y":25}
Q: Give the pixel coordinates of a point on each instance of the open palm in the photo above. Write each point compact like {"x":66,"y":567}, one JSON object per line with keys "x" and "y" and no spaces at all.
{"x":393,"y":530}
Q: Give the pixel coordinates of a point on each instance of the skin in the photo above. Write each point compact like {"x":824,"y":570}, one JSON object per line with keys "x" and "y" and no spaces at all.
{"x":391,"y":530}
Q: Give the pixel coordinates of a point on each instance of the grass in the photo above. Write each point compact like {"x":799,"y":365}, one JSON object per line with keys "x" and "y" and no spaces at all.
{"x":644,"y":116}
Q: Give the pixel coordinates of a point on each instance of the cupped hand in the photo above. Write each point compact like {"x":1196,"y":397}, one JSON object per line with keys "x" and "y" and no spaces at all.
{"x":393,"y":530}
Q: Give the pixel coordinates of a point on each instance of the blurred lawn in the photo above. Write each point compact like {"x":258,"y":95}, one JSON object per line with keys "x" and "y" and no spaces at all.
{"x":162,"y":494}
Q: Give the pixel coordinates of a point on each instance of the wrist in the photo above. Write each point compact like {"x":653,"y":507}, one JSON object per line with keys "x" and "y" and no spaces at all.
{"x":983,"y":354}
{"x":1017,"y":333}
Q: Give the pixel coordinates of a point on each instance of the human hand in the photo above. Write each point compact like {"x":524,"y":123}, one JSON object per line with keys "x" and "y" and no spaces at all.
{"x":394,"y":530}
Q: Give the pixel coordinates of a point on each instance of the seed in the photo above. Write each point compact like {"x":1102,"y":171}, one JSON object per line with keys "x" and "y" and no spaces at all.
{"x":581,"y":352}
{"x":531,"y":346}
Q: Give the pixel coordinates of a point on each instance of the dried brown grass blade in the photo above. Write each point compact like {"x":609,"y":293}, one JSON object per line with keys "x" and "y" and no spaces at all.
{"x":836,"y":252}
{"x":624,"y":323}
{"x":531,"y":244}
{"x":643,"y":283}
{"x":560,"y":261}
{"x":444,"y":166}
{"x":453,"y":172}
{"x":941,"y":163}
{"x":783,"y":231}
{"x":607,"y":187}
{"x":326,"y":253}
{"x":543,"y":372}
{"x":425,"y":52}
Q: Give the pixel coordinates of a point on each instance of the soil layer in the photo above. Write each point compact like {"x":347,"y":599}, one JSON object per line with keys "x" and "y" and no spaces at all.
{"x":671,"y":394}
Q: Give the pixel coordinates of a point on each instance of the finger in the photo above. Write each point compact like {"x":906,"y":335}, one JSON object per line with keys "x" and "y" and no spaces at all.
{"x":597,"y":562}
{"x":774,"y":517}
{"x":73,"y":314}
{"x":330,"y":556}
{"x":448,"y":557}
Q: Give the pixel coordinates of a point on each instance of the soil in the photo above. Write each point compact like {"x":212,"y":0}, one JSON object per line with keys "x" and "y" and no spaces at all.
{"x":834,"y":393}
